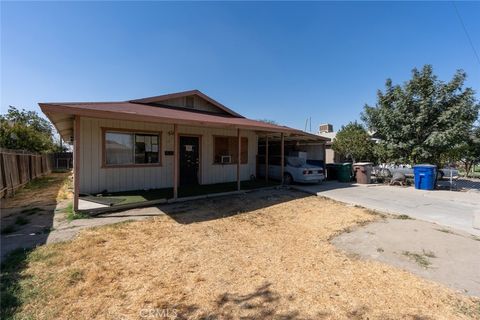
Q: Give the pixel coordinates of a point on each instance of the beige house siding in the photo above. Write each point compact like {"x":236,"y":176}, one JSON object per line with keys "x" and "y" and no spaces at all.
{"x":198,"y":104}
{"x":94,"y":178}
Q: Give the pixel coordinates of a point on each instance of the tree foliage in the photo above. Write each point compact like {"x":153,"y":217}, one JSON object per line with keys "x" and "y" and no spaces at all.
{"x":269,"y":121}
{"x":353,"y":141}
{"x":423,"y":119}
{"x":26,"y":130}
{"x":381,"y":153}
{"x":468,"y":152}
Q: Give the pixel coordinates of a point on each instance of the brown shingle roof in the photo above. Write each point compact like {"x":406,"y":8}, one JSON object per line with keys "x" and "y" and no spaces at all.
{"x":129,"y":110}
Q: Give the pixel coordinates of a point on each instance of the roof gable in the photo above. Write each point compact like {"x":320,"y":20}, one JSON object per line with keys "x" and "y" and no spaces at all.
{"x":192,"y":100}
{"x":162,"y":109}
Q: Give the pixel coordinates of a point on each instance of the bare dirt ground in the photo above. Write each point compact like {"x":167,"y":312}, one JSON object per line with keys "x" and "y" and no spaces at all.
{"x":263,"y":255}
{"x":429,"y":250}
{"x":27,"y":218}
{"x":44,"y":191}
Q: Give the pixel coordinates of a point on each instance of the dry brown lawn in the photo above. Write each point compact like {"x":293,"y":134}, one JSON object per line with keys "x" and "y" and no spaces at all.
{"x":265,"y":255}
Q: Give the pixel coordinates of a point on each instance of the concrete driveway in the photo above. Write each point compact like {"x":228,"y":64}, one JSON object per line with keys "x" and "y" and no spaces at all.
{"x":447,"y":208}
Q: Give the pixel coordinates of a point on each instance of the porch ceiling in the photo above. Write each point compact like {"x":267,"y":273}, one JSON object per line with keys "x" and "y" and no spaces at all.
{"x":294,"y":137}
{"x":64,"y":125}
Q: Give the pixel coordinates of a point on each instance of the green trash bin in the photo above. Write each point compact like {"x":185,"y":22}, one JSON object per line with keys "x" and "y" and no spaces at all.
{"x":344,"y":172}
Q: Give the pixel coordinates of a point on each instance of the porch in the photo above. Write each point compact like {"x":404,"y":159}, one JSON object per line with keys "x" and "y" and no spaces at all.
{"x":123,"y":200}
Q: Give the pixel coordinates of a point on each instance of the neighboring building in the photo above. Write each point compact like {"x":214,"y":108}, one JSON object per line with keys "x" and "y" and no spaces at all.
{"x":325,"y":128}
{"x":326,"y":131}
{"x":167,"y":141}
{"x":374,"y":136}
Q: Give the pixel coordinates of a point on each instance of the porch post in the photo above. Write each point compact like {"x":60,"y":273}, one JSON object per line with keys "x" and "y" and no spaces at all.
{"x":282,"y":157}
{"x":76,"y":164}
{"x":266,"y":158}
{"x":175,"y":161}
{"x":239,"y":158}
{"x":324,"y":147}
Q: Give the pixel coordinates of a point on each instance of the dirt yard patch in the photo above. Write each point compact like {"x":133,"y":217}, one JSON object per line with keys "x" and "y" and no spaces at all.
{"x":426,"y":249}
{"x":27,"y":218}
{"x":44,"y":191}
{"x":255,"y":256}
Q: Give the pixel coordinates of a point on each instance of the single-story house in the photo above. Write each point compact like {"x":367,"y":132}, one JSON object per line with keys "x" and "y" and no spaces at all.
{"x":164,"y":142}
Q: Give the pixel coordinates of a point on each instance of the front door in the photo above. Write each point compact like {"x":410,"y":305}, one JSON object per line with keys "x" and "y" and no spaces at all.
{"x":189,"y":160}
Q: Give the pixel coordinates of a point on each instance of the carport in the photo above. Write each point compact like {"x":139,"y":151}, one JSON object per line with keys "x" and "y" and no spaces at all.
{"x":274,"y":147}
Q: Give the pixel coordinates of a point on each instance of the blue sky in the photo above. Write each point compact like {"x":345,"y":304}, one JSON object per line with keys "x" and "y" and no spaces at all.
{"x":282,"y":61}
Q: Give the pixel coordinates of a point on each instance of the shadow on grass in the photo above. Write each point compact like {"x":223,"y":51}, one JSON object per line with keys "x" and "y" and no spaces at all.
{"x":25,"y":232}
{"x":265,"y":303}
{"x":227,"y":206}
{"x":11,"y":294}
{"x":262,"y":303}
{"x":214,"y":208}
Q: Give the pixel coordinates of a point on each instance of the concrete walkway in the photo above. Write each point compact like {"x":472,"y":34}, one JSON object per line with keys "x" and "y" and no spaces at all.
{"x":50,"y":225}
{"x":447,"y":208}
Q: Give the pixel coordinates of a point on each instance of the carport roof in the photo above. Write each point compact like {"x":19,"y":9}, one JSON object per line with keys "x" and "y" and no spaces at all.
{"x":62,"y":115}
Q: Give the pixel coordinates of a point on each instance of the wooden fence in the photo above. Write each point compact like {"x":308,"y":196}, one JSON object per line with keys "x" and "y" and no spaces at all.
{"x":19,"y":167}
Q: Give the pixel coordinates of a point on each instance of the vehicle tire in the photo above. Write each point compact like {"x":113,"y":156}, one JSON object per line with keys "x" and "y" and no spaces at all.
{"x":287,"y":179}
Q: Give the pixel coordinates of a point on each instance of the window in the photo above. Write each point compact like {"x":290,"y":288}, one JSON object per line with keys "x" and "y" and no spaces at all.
{"x":146,"y":148}
{"x":128,"y":148}
{"x":226,"y":150}
{"x":118,"y":148}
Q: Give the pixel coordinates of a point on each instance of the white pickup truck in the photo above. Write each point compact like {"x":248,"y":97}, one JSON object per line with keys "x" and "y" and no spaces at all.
{"x":296,"y":170}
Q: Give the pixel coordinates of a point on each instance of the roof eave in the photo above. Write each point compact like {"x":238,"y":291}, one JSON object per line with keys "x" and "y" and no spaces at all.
{"x":49,"y":109}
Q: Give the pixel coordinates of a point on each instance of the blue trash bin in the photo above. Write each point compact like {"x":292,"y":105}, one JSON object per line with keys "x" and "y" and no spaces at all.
{"x":425,"y":176}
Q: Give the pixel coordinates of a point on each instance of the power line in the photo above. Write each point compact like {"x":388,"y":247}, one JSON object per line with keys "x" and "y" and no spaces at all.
{"x":466,"y":32}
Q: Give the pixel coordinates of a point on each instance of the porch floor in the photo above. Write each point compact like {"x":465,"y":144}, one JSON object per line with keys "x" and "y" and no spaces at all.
{"x":89,"y":205}
{"x":113,"y":199}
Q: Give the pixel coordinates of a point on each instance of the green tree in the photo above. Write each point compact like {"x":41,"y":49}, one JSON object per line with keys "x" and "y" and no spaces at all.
{"x":269,"y":121}
{"x":353,"y":141}
{"x":423,"y":119}
{"x":26,"y":130}
{"x":381,"y":153}
{"x":468,"y":152}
